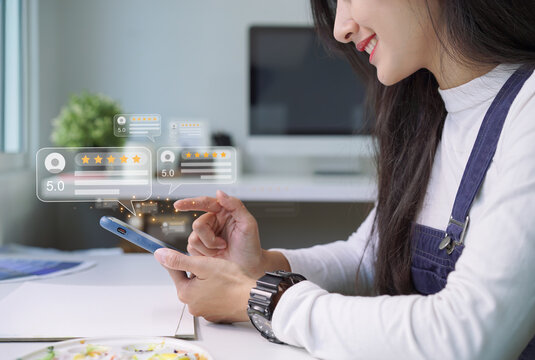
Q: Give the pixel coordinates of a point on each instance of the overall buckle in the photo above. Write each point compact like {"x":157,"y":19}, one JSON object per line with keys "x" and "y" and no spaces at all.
{"x":447,"y":243}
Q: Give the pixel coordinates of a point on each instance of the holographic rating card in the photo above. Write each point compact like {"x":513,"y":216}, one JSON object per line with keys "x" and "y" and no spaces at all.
{"x":196,"y":165}
{"x":94,"y":174}
{"x":134,"y":125}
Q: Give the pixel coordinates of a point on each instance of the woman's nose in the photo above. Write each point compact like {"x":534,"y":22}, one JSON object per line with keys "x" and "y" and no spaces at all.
{"x":345,"y":27}
{"x":344,"y":30}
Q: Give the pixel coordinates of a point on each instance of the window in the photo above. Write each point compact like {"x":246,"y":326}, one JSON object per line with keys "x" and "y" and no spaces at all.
{"x":11,"y":119}
{"x":13,"y":154}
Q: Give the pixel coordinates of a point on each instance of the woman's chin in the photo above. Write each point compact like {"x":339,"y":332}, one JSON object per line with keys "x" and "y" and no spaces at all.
{"x":384,"y":79}
{"x":387,"y":76}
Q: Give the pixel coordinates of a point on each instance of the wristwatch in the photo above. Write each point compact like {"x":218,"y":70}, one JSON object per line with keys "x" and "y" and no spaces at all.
{"x":265,"y":296}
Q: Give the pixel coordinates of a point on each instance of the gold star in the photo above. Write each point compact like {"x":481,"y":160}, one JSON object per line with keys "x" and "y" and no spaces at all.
{"x":85,"y":160}
{"x":223,"y":154}
{"x":111,"y":159}
{"x":98,"y":160}
{"x":123,"y":159}
{"x":205,"y":154}
{"x":188,"y":155}
{"x":214,"y":154}
{"x":196,"y":154}
{"x":136,"y":159}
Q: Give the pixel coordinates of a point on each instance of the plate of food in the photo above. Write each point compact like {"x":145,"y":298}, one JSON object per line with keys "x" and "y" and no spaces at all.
{"x":121,"y":348}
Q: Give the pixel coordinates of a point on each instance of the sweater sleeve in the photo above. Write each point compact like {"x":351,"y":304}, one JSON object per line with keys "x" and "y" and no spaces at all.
{"x":487,"y":309}
{"x":334,"y":266}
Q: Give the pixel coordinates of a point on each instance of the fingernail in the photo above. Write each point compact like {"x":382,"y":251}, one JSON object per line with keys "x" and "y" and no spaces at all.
{"x":222,"y":246}
{"x":160,"y":255}
{"x":223,"y":194}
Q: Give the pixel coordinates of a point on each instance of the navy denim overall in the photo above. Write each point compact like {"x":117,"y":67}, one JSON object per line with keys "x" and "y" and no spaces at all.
{"x":435,"y":252}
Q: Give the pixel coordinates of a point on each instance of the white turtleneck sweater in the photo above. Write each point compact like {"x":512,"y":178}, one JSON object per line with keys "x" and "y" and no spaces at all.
{"x":487,"y":309}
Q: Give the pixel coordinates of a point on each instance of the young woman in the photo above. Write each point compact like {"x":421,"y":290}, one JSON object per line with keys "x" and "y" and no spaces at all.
{"x":443,"y":266}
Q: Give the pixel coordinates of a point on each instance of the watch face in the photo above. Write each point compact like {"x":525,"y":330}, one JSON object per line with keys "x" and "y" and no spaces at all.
{"x":263,"y":325}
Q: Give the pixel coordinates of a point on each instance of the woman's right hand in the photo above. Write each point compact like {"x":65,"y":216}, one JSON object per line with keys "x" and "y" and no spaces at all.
{"x":227,"y":230}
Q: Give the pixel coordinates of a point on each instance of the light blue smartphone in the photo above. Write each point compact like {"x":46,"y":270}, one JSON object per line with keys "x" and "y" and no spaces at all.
{"x":134,"y":235}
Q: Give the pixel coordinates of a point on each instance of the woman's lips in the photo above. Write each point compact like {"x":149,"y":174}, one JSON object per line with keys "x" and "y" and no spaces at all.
{"x":371,"y":55}
{"x":370,"y":49}
{"x":362,"y":45}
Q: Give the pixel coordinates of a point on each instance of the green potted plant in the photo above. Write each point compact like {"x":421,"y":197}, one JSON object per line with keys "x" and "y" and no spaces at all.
{"x":87,"y":121}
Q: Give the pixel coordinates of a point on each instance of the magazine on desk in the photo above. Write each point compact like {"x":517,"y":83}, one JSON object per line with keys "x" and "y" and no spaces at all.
{"x":13,"y":269}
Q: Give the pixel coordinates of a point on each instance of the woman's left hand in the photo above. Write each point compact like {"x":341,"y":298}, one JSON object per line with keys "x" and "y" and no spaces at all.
{"x":219,"y":291}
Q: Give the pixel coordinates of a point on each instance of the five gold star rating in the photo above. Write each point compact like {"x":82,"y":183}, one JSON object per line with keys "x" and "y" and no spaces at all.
{"x":144,"y":118}
{"x":91,"y":160}
{"x":198,"y":155}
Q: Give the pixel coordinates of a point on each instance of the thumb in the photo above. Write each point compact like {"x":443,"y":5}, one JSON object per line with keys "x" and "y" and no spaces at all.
{"x":175,"y":260}
{"x":234,"y":205}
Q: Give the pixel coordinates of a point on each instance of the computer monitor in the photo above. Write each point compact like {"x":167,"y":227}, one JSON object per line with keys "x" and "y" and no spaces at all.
{"x":303,"y":102}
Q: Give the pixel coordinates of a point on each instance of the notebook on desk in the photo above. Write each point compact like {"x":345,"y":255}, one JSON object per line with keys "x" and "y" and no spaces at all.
{"x":50,"y":312}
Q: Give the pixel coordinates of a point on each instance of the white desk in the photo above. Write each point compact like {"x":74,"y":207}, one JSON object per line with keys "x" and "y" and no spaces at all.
{"x":236,"y":341}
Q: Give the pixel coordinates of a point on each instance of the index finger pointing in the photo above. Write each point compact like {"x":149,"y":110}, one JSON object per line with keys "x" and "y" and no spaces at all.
{"x":202,"y":203}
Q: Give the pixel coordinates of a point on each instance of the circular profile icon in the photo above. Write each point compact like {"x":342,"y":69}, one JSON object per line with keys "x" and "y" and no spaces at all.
{"x":55,"y":163}
{"x":121,"y":120}
{"x":167,"y":156}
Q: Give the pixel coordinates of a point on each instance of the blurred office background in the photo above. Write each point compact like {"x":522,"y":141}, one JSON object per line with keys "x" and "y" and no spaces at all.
{"x":176,"y":58}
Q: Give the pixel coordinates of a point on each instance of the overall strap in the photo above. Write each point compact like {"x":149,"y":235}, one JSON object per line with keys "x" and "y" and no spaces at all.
{"x":482,"y":154}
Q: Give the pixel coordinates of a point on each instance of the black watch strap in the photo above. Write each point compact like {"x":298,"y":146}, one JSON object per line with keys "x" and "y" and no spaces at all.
{"x":263,"y":297}
{"x":264,"y":292}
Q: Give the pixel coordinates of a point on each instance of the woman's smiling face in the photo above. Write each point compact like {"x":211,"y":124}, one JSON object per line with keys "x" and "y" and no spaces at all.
{"x":402,"y":36}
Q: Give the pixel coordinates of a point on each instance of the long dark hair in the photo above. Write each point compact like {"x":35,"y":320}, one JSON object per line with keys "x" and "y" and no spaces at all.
{"x":409,"y":115}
